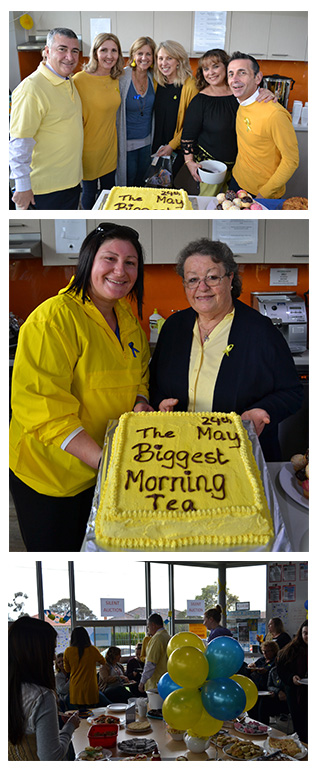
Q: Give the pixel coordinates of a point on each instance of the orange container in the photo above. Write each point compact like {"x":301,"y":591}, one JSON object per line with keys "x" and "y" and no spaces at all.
{"x":103,"y":735}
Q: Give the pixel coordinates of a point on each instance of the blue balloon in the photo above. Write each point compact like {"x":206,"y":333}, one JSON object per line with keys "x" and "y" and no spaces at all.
{"x":223,"y":698}
{"x":166,"y":685}
{"x":225,"y":656}
{"x":306,"y":604}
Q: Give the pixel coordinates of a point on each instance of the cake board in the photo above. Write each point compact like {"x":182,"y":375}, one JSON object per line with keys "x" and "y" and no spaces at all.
{"x":280,"y":542}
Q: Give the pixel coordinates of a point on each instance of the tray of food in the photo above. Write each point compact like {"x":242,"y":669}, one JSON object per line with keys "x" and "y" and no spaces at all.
{"x":222,"y":739}
{"x":139,"y":726}
{"x":290,"y":745}
{"x":137,"y":746}
{"x":251,"y":727}
{"x":242,"y":750}
{"x":103,"y":719}
{"x":93,"y":754}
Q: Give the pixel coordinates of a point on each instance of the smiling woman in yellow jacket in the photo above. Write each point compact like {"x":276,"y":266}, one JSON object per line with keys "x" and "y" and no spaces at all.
{"x":82,"y":359}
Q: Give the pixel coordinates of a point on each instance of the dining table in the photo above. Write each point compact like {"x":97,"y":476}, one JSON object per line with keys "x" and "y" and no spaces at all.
{"x":168,"y":748}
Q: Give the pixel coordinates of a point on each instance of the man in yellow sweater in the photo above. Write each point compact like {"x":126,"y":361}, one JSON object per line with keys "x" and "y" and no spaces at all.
{"x":267,"y":145}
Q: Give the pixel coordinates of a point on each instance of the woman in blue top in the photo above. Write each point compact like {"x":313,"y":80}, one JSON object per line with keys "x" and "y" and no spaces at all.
{"x":135,"y":115}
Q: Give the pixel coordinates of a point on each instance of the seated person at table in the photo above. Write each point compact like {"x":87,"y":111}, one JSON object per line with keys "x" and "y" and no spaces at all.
{"x":135,"y":665}
{"x":112,"y":679}
{"x":62,"y":679}
{"x":274,"y":704}
{"x":277,"y":633}
{"x":33,"y":712}
{"x":259,"y":670}
{"x":267,"y":145}
{"x":211,"y":620}
{"x":222,"y":355}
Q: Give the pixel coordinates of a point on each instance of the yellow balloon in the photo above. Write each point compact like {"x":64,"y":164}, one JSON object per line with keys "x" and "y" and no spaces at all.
{"x":188,"y":667}
{"x":206,"y":725}
{"x":249,"y":688}
{"x":185,"y":639}
{"x":26,"y":21}
{"x":182,"y":707}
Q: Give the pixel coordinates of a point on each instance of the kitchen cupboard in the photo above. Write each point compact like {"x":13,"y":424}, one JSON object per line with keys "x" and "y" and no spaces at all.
{"x":280,"y":241}
{"x":264,"y":34}
{"x":287,"y":241}
{"x":270,"y":35}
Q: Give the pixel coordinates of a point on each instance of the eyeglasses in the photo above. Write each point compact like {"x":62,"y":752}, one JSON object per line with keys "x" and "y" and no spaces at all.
{"x":125,"y":229}
{"x":210,"y":280}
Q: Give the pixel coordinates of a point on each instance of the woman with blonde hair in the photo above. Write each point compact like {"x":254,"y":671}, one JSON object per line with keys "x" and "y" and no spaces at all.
{"x":176,"y":88}
{"x":98,"y":86}
{"x":112,"y":679}
{"x":135,"y":116}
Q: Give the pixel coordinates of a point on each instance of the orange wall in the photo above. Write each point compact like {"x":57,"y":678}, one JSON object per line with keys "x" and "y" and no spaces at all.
{"x":31,"y":283}
{"x":29,"y":60}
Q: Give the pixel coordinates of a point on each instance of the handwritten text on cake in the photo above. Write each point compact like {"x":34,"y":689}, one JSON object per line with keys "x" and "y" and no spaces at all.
{"x":192,"y":480}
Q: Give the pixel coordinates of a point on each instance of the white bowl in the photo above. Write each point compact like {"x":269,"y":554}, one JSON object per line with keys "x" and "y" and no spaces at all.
{"x":212,"y":172}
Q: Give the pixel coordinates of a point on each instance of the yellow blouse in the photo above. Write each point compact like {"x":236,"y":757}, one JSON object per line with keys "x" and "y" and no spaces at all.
{"x":205,"y":361}
{"x":100,"y":97}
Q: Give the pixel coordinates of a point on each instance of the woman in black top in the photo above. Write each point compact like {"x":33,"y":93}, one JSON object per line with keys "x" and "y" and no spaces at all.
{"x":292,"y":667}
{"x":176,"y":88}
{"x":209,"y":124}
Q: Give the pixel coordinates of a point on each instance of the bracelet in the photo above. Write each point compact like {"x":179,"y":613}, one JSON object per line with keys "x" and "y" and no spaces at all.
{"x":189,"y":162}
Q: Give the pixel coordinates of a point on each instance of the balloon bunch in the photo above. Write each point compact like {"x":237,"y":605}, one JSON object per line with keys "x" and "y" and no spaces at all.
{"x":201,"y":688}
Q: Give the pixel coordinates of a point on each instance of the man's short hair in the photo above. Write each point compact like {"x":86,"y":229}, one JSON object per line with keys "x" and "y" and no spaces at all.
{"x":240,"y":55}
{"x":155,"y":618}
{"x":60,"y":31}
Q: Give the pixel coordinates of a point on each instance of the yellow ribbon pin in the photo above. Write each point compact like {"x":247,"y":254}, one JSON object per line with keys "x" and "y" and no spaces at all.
{"x":247,"y":122}
{"x":228,"y":349}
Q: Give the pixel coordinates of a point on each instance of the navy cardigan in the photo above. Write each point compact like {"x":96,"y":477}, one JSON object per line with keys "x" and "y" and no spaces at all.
{"x":259,"y":371}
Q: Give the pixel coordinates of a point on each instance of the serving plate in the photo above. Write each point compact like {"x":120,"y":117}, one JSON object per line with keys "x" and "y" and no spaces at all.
{"x":303,"y":749}
{"x":214,"y":202}
{"x":288,"y":483}
{"x":227,"y":749}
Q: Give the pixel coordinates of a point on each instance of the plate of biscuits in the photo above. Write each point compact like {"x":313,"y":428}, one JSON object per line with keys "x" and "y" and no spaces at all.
{"x":290,"y":744}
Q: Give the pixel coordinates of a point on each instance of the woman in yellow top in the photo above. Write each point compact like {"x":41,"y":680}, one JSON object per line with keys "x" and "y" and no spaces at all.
{"x":98,"y":87}
{"x":82,"y":359}
{"x":80,"y":660}
{"x":176,"y":88}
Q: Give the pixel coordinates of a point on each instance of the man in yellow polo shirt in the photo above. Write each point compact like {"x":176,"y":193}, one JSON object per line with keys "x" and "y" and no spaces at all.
{"x":267,"y":145}
{"x":156,"y":657}
{"x":46,"y":131}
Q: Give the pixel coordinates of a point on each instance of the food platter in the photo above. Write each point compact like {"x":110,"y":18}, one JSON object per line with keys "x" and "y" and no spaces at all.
{"x":242,"y":750}
{"x":213,"y":203}
{"x":283,"y":746}
{"x":104,"y":754}
{"x":251,"y":727}
{"x":290,"y":486}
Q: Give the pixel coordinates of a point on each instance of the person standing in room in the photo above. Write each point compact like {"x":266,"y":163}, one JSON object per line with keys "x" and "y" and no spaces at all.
{"x":80,"y":661}
{"x":292,"y":668}
{"x":211,"y":620}
{"x":268,"y":152}
{"x":82,"y":360}
{"x":135,"y":118}
{"x":46,"y":132}
{"x":277,"y":633}
{"x":222,"y":355}
{"x":156,"y":656}
{"x":98,"y":87}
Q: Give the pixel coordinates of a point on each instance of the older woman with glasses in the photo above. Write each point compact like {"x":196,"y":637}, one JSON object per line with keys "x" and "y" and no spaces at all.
{"x":220,"y":354}
{"x":82,"y":358}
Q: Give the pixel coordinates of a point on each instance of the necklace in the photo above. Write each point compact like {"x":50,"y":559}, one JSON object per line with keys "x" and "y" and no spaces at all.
{"x":205,"y":334}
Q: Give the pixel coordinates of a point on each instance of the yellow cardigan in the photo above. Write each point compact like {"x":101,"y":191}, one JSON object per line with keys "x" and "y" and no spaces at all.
{"x":83,"y":688}
{"x":188,"y":91}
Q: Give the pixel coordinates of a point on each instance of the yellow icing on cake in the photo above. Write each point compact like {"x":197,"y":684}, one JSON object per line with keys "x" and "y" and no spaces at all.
{"x":121,"y":197}
{"x":180,"y":479}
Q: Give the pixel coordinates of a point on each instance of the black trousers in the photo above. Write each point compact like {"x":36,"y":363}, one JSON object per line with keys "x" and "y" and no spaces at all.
{"x":50,"y":523}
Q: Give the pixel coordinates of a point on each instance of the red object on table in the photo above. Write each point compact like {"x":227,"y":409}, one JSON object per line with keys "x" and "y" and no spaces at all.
{"x":103,"y":735}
